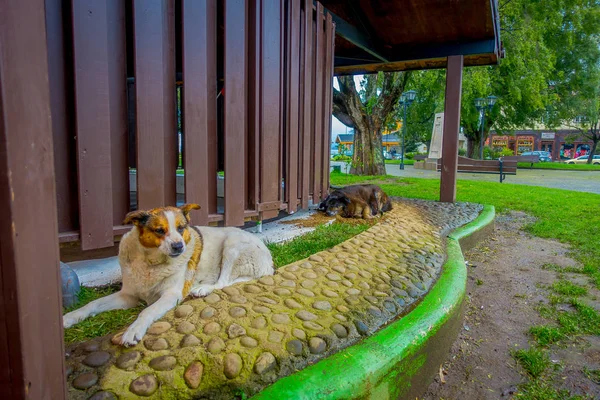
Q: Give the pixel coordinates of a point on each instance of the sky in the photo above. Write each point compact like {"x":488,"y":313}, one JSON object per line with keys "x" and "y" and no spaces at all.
{"x":336,"y":126}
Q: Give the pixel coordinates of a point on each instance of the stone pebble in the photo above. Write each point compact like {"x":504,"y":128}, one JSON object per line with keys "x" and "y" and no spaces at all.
{"x":232,"y":291}
{"x":264,"y":363}
{"x":249,"y":342}
{"x":317,"y":345}
{"x":232,"y":365}
{"x":102,"y":395}
{"x":322,"y":305}
{"x":159,"y":327}
{"x":85,"y":381}
{"x":259,"y":323}
{"x":211,"y":328}
{"x":186,"y":327}
{"x":163,"y":363}
{"x":339,"y":330}
{"x":275,"y":337}
{"x":282,"y":292}
{"x":291,"y":303}
{"x":235,"y":330}
{"x":215,"y":345}
{"x":183,"y":311}
{"x":267,"y":280}
{"x":212,"y":298}
{"x":252,"y":289}
{"x":294,"y":347}
{"x":156,"y":344}
{"x":329,"y":293}
{"x":207,"y":313}
{"x":238,"y":299}
{"x":190,"y":341}
{"x":299,"y":333}
{"x":261,"y":309}
{"x":145,"y":385}
{"x":280,"y":319}
{"x":96,"y":359}
{"x":128,"y":360}
{"x":237,"y":312}
{"x":193,"y":374}
{"x":312,"y":325}
{"x":306,"y":315}
{"x":305,"y":292}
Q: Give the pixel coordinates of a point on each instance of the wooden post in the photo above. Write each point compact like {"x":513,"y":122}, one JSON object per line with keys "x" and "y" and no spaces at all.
{"x":451,"y":129}
{"x":31,"y":334}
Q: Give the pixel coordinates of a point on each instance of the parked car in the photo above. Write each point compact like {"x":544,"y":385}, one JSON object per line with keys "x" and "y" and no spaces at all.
{"x":545,"y":156}
{"x":584,"y":159}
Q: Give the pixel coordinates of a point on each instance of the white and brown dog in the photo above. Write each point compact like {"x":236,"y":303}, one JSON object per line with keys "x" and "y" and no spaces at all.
{"x":163,"y":260}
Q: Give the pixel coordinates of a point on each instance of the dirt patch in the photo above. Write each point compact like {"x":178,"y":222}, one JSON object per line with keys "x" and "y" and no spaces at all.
{"x":505,"y":284}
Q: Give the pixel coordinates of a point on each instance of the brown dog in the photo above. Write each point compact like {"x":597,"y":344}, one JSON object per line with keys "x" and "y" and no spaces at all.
{"x":357,"y":201}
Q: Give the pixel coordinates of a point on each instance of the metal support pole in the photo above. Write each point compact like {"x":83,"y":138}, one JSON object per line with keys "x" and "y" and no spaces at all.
{"x":403,"y":134}
{"x":481,"y":140}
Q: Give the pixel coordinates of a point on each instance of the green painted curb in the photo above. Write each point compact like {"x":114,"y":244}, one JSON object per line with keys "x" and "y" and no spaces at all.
{"x":384,"y":365}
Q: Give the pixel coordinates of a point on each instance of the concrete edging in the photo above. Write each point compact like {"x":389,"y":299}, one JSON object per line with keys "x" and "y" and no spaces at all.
{"x":399,"y":360}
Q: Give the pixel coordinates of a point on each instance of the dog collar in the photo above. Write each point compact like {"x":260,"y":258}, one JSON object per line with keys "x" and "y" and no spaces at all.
{"x":192,"y":264}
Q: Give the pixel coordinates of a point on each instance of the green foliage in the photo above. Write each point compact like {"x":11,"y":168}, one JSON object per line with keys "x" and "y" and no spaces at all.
{"x":342,"y":157}
{"x":533,"y":360}
{"x":568,"y":288}
{"x":546,"y":335}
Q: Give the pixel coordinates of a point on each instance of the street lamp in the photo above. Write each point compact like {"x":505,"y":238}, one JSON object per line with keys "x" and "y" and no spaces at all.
{"x":405,"y":100}
{"x":482,"y":105}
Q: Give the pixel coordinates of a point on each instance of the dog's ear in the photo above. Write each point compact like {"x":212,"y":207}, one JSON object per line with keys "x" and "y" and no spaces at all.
{"x":345,"y":200}
{"x":186,"y":208}
{"x":137,"y":218}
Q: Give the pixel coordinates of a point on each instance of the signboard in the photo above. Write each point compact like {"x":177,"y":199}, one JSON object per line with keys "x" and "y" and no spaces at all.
{"x":435,"y":149}
{"x":548,"y":135}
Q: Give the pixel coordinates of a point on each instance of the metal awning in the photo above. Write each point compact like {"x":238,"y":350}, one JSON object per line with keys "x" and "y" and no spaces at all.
{"x":393,"y":35}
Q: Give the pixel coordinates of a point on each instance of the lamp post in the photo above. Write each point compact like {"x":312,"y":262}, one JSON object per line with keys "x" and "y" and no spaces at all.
{"x":482,"y":105}
{"x":405,"y":100}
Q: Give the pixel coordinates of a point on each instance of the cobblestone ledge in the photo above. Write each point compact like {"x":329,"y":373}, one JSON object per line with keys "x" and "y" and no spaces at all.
{"x":245,"y":337}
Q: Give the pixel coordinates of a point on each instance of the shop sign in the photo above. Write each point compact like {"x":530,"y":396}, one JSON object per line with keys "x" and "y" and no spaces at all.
{"x":548,"y":135}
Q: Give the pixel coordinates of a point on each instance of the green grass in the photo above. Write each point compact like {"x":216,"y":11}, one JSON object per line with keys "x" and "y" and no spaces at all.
{"x":592,"y":374}
{"x":101,"y":324}
{"x":534,"y":361}
{"x":397,"y":162}
{"x":555,"y":165}
{"x":583,"y":320}
{"x":324,"y":237}
{"x":568,"y":216}
{"x":568,"y":288}
{"x":540,"y":389}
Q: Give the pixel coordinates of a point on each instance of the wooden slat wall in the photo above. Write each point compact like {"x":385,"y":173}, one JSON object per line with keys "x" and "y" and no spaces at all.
{"x":276,"y":116}
{"x":235,"y":110}
{"x":307,"y":98}
{"x":154,"y":53}
{"x":270,"y":181}
{"x":98,"y":27}
{"x":200,"y":105}
{"x":31,"y":333}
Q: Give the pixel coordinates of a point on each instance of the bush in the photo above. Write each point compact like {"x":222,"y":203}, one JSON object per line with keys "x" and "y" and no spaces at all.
{"x":462,"y":152}
{"x":341,"y":157}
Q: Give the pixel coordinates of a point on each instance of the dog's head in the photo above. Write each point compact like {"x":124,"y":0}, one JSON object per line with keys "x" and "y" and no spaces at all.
{"x":164,"y":228}
{"x":334,"y":203}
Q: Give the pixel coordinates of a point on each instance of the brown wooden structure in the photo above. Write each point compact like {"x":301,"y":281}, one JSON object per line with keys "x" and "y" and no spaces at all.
{"x":502,"y":167}
{"x":255,"y":79}
{"x":89,"y":90}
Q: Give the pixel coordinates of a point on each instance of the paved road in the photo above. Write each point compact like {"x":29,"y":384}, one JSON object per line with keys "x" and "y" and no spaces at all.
{"x":581,"y":181}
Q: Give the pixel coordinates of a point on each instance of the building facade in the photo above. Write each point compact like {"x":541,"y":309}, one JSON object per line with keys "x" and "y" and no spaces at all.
{"x":561,"y":144}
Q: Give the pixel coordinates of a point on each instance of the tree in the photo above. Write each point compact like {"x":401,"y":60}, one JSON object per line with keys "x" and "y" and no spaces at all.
{"x":366,"y":110}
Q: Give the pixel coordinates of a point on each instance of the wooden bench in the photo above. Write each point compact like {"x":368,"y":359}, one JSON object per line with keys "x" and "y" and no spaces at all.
{"x":419,"y":157}
{"x":501,"y":167}
{"x":524,"y":159}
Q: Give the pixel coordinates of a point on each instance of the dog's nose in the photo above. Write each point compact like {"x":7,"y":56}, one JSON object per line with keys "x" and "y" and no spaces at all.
{"x":177,"y":246}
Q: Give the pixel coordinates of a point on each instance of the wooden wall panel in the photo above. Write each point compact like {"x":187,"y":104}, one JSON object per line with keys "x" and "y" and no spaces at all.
{"x":200,"y":106}
{"x":60,"y":78}
{"x":254,"y":76}
{"x":31,"y":334}
{"x":154,"y":55}
{"x":318,"y":105}
{"x":235,"y":110}
{"x":307,"y":99}
{"x":327,"y":104}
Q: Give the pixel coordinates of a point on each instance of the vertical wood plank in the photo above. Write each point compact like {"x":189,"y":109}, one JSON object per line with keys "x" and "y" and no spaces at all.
{"x":291,"y":182}
{"x":31,"y":336}
{"x":92,"y":106}
{"x":254,"y":76}
{"x":61,"y":104}
{"x":307,"y":68}
{"x":327,"y":96}
{"x":117,"y":86}
{"x":154,"y":59}
{"x":270,"y":183}
{"x":235,"y":110}
{"x":318,"y":104}
{"x":200,"y":105}
{"x":451,"y":129}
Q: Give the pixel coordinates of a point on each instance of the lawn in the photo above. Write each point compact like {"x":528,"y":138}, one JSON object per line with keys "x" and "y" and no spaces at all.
{"x":568,"y":216}
{"x":397,"y":162}
{"x":554,"y":165}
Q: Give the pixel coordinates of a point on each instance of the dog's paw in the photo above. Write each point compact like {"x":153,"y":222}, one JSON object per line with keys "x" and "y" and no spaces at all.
{"x":72,"y":318}
{"x":134,"y":334}
{"x":202,"y":290}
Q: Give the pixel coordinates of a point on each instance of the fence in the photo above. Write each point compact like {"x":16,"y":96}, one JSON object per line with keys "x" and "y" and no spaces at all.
{"x":139,"y":88}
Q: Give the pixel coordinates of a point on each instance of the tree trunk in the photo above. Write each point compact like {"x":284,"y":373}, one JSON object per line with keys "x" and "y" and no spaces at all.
{"x":594,"y":148}
{"x":368,"y":151}
{"x":471,"y":146}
